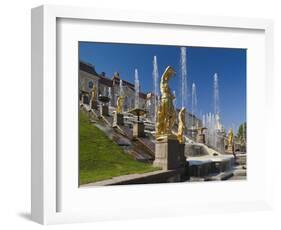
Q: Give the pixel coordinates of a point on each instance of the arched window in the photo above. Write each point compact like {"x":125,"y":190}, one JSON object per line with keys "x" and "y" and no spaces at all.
{"x":90,"y":84}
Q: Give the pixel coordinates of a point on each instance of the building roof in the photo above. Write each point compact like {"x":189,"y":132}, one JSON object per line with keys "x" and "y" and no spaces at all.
{"x":106,"y":81}
{"x":89,"y":68}
{"x":150,"y":95}
{"x":125,"y":83}
{"x":143,"y":95}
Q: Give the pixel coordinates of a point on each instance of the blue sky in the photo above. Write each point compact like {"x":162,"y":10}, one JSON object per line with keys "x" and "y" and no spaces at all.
{"x":202,"y":63}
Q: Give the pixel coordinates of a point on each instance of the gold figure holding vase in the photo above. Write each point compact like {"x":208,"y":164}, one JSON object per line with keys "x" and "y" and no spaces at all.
{"x":120,"y":100}
{"x":166,"y":114}
{"x":181,"y":127}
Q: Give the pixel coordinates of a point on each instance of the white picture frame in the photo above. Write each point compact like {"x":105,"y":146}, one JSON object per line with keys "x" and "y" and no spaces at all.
{"x":47,"y":183}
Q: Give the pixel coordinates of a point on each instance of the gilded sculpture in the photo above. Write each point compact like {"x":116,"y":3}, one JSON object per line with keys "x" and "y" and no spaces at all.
{"x":120,"y":100}
{"x":166,"y":114}
{"x":94,"y":93}
{"x":181,"y":127}
{"x":230,"y":137}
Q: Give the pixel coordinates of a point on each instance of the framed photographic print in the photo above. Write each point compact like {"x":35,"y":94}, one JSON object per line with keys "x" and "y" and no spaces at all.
{"x":140,"y":114}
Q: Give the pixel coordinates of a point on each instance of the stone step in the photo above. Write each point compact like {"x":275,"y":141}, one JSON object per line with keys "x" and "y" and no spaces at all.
{"x":160,"y":176}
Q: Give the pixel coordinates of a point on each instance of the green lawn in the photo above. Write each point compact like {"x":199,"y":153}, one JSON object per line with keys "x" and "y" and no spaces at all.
{"x":100,"y":158}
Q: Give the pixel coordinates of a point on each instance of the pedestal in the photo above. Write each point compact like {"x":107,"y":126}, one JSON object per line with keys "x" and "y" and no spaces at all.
{"x":169,"y":154}
{"x":85,"y":99}
{"x":201,"y":138}
{"x":94,"y":105}
{"x":118,"y":119}
{"x":229,"y":149}
{"x":104,"y":110}
{"x":220,"y":144}
{"x":138,"y":129}
{"x":182,"y":155}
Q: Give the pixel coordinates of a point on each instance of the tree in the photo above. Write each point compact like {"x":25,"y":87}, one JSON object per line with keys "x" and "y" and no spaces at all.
{"x":242,"y":132}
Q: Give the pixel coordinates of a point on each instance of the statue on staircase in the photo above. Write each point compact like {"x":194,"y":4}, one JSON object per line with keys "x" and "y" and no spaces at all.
{"x":94,"y":93}
{"x":169,"y":146}
{"x":166,"y":114}
{"x":181,"y":127}
{"x":120,"y":100}
{"x":230,"y":137}
{"x":94,"y":103}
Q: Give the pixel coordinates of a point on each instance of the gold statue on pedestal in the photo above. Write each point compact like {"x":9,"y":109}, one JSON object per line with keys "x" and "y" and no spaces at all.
{"x":166,"y":114}
{"x":120,"y":100}
{"x":94,"y":93}
{"x":230,"y":138}
{"x":181,"y":127}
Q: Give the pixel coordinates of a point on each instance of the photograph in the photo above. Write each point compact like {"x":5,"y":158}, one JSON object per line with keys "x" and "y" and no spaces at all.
{"x":161,"y":114}
{"x":167,"y":112}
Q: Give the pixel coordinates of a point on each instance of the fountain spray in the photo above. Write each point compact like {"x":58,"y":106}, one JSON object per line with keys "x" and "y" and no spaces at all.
{"x":183,"y":90}
{"x":137,"y":89}
{"x":155,"y":76}
{"x":193,"y":102}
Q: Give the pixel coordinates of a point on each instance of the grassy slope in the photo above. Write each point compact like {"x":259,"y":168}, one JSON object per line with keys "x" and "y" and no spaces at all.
{"x":101,"y":158}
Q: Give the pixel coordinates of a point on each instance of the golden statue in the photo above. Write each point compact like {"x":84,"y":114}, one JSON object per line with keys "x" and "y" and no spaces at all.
{"x":120,"y":100}
{"x":181,"y":127}
{"x":230,"y":137}
{"x":94,"y":93}
{"x":166,"y":114}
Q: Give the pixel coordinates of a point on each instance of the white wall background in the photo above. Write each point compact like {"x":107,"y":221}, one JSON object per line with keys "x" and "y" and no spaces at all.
{"x":15,"y":112}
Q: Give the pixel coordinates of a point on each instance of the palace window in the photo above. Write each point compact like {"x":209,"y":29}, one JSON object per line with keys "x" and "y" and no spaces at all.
{"x":90,"y":84}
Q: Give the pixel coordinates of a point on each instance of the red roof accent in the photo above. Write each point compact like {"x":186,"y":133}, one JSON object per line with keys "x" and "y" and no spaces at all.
{"x":106,"y":81}
{"x":142,"y":95}
{"x":117,"y":81}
